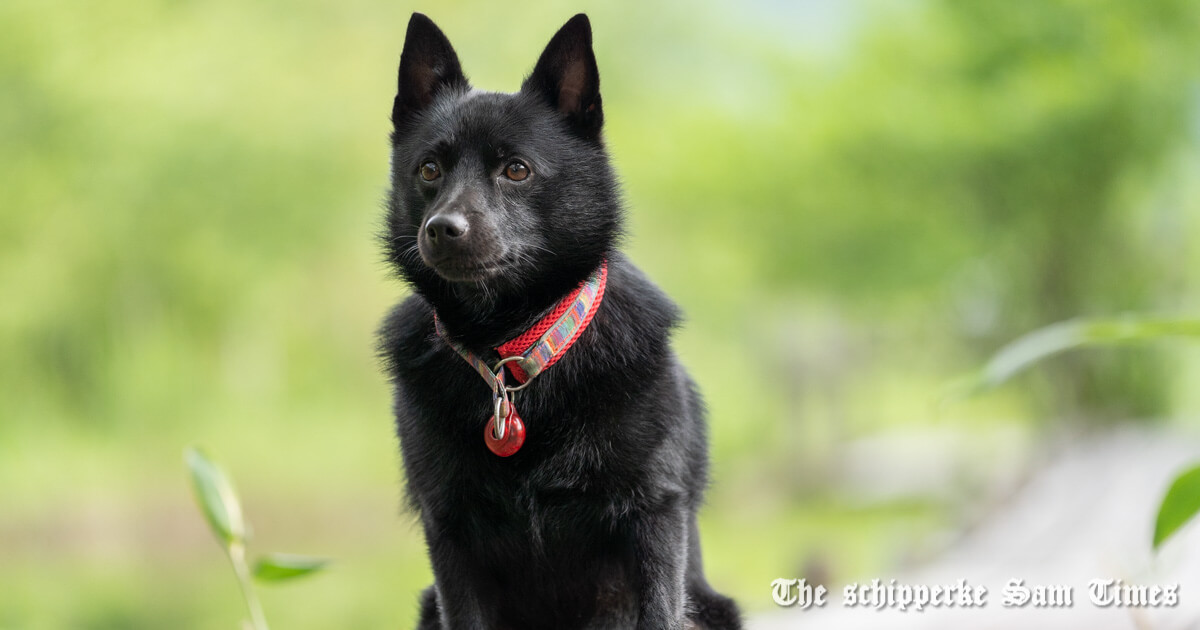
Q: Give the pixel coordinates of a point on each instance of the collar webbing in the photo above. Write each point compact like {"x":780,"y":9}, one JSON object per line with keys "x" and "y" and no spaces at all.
{"x":545,"y":342}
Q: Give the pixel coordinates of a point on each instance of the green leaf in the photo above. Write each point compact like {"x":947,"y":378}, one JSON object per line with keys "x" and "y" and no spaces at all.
{"x":1042,"y":343}
{"x":1179,"y":506}
{"x":277,"y":567}
{"x":216,"y":497}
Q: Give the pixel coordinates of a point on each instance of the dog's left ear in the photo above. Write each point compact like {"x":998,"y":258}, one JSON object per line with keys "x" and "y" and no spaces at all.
{"x":566,"y":76}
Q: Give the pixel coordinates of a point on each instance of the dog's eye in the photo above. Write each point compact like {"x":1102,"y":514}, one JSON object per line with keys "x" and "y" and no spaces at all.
{"x":516,"y":171}
{"x":429,"y":171}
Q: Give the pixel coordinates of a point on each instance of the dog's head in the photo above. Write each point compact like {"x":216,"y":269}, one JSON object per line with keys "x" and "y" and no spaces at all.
{"x":495,"y":193}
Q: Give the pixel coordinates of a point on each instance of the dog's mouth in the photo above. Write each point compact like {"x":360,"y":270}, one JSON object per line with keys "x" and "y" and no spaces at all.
{"x":459,"y":270}
{"x":469,"y":273}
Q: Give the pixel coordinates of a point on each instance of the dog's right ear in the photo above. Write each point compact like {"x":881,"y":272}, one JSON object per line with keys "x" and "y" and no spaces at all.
{"x":427,"y":65}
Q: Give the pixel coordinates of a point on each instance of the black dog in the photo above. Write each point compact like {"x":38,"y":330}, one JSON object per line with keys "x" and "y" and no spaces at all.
{"x":502,"y":206}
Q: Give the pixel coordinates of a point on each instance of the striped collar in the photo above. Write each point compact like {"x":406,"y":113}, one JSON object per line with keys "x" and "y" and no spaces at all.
{"x":544,"y":343}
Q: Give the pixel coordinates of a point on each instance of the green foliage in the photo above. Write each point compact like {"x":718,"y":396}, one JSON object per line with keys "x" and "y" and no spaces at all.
{"x":1180,"y":505}
{"x":1043,"y":343}
{"x":223,"y":511}
{"x":216,"y":497}
{"x":280,"y":567}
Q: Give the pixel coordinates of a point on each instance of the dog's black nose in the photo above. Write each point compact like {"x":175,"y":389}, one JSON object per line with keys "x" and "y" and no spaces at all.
{"x":446,"y":227}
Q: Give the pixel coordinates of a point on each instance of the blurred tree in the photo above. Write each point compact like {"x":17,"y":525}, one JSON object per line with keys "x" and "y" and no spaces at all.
{"x":1080,"y":103}
{"x":1006,"y":153}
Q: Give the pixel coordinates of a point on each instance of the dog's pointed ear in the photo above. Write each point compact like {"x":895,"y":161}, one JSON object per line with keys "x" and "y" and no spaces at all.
{"x":427,"y":65}
{"x":566,"y":76}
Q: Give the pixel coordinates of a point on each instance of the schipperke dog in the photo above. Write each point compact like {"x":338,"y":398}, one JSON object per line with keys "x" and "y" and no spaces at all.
{"x":559,"y":489}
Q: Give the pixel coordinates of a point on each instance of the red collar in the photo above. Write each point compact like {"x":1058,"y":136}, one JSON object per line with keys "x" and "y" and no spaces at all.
{"x":528,"y":355}
{"x":544,"y":343}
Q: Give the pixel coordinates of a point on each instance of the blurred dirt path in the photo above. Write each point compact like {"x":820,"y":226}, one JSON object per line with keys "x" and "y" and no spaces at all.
{"x":1088,"y":514}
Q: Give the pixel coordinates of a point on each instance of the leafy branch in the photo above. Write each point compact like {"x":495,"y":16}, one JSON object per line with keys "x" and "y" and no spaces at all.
{"x":1043,"y":343}
{"x":221,"y":508}
{"x":1182,"y":500}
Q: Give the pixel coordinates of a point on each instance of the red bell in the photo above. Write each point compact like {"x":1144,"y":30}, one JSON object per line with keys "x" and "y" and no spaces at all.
{"x":514,"y":434}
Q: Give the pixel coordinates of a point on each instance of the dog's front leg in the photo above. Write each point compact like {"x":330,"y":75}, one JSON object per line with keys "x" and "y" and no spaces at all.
{"x":661,"y":540}
{"x":459,"y":604}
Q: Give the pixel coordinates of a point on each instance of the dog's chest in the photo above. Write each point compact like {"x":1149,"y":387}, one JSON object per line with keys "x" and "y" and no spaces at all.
{"x":541,"y":495}
{"x":575,"y":475}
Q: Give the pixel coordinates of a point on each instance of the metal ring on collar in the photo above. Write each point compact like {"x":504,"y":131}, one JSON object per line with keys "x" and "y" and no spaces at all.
{"x":500,"y":365}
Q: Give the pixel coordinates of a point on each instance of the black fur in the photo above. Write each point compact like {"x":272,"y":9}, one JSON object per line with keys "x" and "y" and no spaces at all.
{"x":592,"y":524}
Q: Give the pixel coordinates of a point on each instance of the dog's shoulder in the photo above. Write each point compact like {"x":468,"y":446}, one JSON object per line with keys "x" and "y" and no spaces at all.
{"x":405,"y":334}
{"x":635,"y":310}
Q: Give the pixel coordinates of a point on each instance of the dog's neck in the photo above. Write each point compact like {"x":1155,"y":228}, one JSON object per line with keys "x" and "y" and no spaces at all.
{"x":482,"y":317}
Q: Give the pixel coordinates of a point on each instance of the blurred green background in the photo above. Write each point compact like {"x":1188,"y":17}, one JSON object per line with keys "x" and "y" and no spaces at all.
{"x":854,"y":202}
